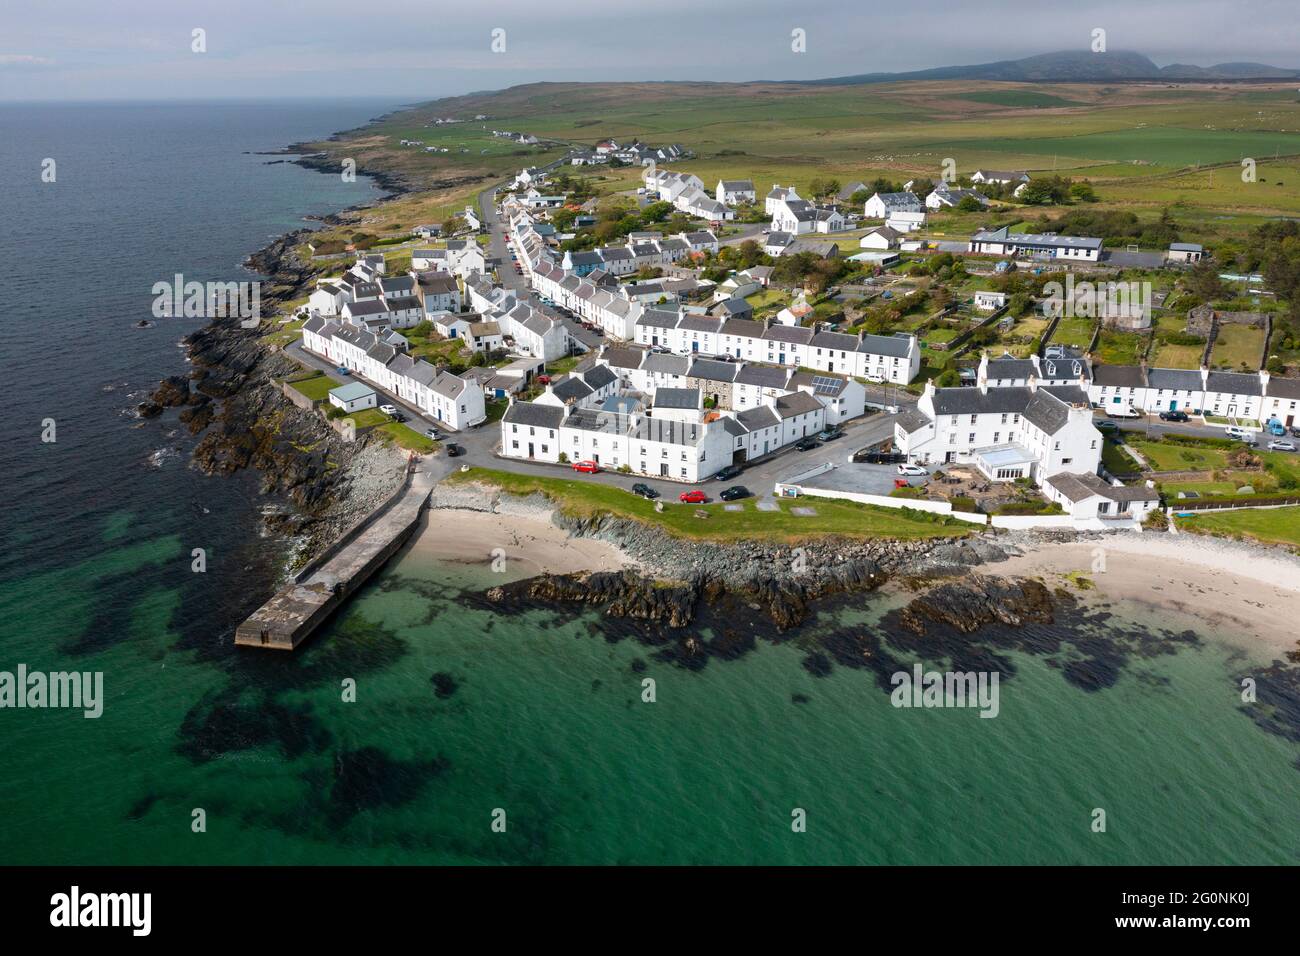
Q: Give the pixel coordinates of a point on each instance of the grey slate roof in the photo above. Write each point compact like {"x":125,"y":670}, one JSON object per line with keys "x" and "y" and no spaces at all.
{"x":763,"y":376}
{"x":531,"y":413}
{"x":712,"y":370}
{"x":790,"y":333}
{"x":1175,"y":379}
{"x":677,"y":398}
{"x":796,"y":403}
{"x":599,"y":376}
{"x":1238,"y":383}
{"x":1123,"y":376}
{"x":1081,"y":487}
{"x":893,"y":346}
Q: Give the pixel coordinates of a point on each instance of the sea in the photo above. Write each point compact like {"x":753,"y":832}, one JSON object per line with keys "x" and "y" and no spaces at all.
{"x":427,"y":725}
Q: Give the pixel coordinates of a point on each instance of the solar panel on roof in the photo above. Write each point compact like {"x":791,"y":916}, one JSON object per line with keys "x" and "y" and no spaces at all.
{"x":825,"y":384}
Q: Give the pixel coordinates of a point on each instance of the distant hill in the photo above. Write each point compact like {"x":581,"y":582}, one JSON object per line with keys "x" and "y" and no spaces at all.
{"x":1077,"y":65}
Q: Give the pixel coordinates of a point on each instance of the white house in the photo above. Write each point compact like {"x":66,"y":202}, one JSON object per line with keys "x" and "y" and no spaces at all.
{"x":905,"y":221}
{"x":886,"y":205}
{"x":881,"y":237}
{"x":776,"y":197}
{"x":732,"y":192}
{"x":1028,"y":431}
{"x":987,"y":301}
{"x":1000,"y":242}
{"x":352,"y":397}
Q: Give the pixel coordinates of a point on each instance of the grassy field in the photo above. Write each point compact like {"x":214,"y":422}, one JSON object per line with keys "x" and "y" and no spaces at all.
{"x":1270,"y":525}
{"x":1076,"y":331}
{"x":407,"y":437}
{"x":317,"y":387}
{"x":1142,"y":146}
{"x":1169,"y":457}
{"x":841,"y":518}
{"x":1237,"y":347}
{"x":1120,"y":348}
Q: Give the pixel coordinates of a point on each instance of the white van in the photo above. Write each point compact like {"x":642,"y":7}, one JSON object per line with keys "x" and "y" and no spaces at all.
{"x":1240,"y":434}
{"x":1123,"y":411}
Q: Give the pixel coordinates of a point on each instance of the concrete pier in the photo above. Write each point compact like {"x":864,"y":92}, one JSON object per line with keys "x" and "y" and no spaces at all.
{"x":298,"y":608}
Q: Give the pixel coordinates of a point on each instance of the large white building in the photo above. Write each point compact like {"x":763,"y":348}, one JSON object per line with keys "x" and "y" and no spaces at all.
{"x":1001,"y":242}
{"x":878,"y":358}
{"x":1021,"y":431}
{"x":448,"y":398}
{"x":1235,"y":396}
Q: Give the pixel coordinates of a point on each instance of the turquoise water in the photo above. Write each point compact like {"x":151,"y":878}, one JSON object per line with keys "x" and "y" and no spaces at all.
{"x":542,"y":717}
{"x":537,"y":713}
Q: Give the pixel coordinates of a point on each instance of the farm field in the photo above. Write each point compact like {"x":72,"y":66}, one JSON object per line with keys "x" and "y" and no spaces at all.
{"x":1143,"y":147}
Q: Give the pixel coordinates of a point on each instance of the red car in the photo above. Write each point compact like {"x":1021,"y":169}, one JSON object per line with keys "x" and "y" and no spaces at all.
{"x":589,"y":467}
{"x":695,"y":497}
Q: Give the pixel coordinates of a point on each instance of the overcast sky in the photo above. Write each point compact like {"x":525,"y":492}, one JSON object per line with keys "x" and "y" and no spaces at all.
{"x":422,"y":49}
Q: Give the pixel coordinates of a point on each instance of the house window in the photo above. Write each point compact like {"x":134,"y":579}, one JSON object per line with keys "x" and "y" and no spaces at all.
{"x":1066,"y":461}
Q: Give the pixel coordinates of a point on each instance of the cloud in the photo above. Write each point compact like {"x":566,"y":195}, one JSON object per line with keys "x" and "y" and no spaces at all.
{"x":24,"y":59}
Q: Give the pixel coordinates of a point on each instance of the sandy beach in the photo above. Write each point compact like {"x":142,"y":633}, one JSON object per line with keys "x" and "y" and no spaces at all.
{"x":1248,"y":594}
{"x":529,"y":543}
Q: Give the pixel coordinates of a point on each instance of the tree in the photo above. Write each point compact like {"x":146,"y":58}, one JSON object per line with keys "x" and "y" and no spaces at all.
{"x":969,"y":204}
{"x":948,"y":378}
{"x":1083,"y":192}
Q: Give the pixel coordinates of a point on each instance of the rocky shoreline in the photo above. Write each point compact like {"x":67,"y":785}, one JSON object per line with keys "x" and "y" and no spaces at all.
{"x":675,"y":577}
{"x":232,"y":399}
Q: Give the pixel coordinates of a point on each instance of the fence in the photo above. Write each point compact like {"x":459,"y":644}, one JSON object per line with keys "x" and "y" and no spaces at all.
{"x":786,"y":489}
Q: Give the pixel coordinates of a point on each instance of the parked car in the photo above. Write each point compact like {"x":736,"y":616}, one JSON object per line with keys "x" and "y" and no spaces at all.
{"x":1123,"y":411}
{"x":342,"y":370}
{"x":389,"y":410}
{"x":1276,"y":428}
{"x":1173,"y":416}
{"x":1105,"y":426}
{"x":432,"y":433}
{"x":1295,"y":432}
{"x":726,"y":474}
{"x":1240,"y":434}
{"x":586,"y":466}
{"x":398,"y":417}
{"x":830,"y":434}
{"x":806,"y":444}
{"x":914,"y":471}
{"x":693,"y":497}
{"x":734,"y":492}
{"x":1278,"y":444}
{"x":454,"y":450}
{"x":645,"y":491}
{"x":543,"y":380}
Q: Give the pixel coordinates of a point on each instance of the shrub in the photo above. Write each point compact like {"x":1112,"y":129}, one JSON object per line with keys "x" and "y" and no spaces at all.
{"x":564,"y":458}
{"x":963,"y":503}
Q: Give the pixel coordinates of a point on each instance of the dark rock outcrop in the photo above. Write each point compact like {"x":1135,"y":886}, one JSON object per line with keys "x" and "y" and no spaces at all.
{"x":976,"y":601}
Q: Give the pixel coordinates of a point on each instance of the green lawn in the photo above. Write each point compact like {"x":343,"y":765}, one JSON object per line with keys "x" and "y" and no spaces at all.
{"x":1237,"y":347}
{"x":1170,"y":457}
{"x":1271,"y":525}
{"x":495,"y":408}
{"x":1076,"y":331}
{"x":1115,"y":460}
{"x":407,"y":437}
{"x":368,"y":417}
{"x":317,"y":388}
{"x":841,"y":518}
